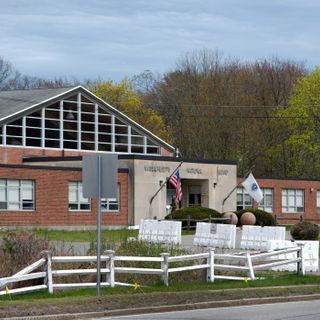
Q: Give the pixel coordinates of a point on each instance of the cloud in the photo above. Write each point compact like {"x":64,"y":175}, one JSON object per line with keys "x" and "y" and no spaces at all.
{"x":114,"y":38}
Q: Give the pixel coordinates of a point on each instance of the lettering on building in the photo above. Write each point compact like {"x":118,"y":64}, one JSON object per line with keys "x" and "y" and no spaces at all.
{"x":156,"y":169}
{"x":223,"y":172}
{"x":194,"y":171}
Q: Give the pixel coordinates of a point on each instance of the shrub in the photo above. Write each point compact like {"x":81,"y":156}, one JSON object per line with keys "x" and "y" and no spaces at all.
{"x":195,"y":213}
{"x":18,"y":249}
{"x":263,"y":218}
{"x":305,"y":231}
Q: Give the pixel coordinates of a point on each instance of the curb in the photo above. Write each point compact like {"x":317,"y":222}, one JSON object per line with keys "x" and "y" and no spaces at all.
{"x":169,"y":308}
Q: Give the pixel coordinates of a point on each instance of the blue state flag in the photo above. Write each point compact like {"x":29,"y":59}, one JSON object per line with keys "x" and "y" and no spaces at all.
{"x":252,"y":187}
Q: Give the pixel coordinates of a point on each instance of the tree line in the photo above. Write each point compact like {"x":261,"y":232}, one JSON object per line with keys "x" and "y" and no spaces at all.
{"x":263,"y":113}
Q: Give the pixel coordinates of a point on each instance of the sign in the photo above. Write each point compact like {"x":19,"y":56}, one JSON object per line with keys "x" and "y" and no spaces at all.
{"x":213,"y":228}
{"x":108,"y":176}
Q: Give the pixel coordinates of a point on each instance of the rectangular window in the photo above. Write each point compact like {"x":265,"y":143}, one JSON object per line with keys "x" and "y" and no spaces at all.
{"x":244,"y":200}
{"x":266,"y":203}
{"x":76,"y":200}
{"x":293,"y":200}
{"x":16,"y":195}
{"x":318,"y":201}
{"x":108,"y":205}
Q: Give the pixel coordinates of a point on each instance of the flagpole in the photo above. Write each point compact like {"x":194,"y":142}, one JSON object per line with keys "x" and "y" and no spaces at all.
{"x":164,"y":183}
{"x":244,"y":178}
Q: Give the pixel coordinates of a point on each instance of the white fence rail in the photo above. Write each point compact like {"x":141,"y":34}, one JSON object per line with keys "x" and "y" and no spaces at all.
{"x":246,"y":264}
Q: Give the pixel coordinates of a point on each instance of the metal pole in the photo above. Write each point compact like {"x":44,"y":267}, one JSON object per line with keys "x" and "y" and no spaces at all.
{"x":99,"y":226}
{"x":244,"y":178}
{"x":164,"y":183}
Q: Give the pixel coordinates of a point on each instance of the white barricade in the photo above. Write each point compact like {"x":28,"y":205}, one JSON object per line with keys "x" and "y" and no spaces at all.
{"x":256,"y":237}
{"x":160,"y":231}
{"x":310,"y":254}
{"x":215,"y":235}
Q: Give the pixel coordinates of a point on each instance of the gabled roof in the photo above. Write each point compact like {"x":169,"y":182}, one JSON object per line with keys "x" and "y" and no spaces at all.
{"x":17,"y":103}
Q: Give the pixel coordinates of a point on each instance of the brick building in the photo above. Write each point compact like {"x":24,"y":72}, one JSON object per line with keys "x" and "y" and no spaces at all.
{"x":45,"y":132}
{"x":288,"y":199}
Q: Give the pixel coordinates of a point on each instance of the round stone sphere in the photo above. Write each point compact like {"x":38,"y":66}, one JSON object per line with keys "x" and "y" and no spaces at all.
{"x":232,"y":216}
{"x":248,"y":218}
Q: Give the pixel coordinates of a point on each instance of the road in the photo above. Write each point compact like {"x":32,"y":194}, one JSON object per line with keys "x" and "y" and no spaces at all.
{"x":305,"y":310}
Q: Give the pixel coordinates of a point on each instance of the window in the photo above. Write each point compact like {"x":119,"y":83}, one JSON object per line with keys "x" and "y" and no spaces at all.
{"x":16,"y":194}
{"x":266,"y":203}
{"x":244,"y":200}
{"x":76,"y":200}
{"x":77,"y":123}
{"x":318,"y":201}
{"x":293,"y":200}
{"x":110,"y":205}
{"x":194,"y":196}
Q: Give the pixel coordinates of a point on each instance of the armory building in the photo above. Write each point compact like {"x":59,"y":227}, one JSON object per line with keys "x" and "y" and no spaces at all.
{"x":45,"y":132}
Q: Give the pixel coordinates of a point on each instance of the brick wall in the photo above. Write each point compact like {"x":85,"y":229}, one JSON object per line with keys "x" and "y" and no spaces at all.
{"x":51,"y":200}
{"x":310,"y":197}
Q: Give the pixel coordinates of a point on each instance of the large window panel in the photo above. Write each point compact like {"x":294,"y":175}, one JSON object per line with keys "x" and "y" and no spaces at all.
{"x":76,"y":200}
{"x":16,"y":195}
{"x":244,"y":200}
{"x":266,"y":203}
{"x":293,"y":200}
{"x":108,"y":205}
{"x":58,"y":125}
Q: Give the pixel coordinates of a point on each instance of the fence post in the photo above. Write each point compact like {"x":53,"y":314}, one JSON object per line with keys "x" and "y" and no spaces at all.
{"x":49,"y":282}
{"x":165,"y":267}
{"x":210,"y":218}
{"x":300,"y":264}
{"x":110,"y":266}
{"x":249,"y":264}
{"x":210,"y":269}
{"x":275,"y":220}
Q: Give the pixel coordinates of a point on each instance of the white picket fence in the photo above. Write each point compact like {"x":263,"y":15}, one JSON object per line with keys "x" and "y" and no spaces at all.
{"x":244,"y":263}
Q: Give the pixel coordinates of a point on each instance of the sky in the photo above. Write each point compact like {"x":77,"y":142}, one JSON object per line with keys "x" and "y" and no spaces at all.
{"x":112,"y":39}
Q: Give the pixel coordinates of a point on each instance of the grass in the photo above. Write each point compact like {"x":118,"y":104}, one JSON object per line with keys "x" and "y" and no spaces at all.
{"x":90,"y":235}
{"x":84,"y":236}
{"x":272,"y":279}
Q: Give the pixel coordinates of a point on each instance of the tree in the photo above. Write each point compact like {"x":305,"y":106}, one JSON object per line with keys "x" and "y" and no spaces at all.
{"x":221,"y":108}
{"x":301,"y":146}
{"x":122,"y":97}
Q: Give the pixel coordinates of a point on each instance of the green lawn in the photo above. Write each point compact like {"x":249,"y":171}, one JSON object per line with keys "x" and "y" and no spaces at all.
{"x":274,"y":279}
{"x":85,"y":236}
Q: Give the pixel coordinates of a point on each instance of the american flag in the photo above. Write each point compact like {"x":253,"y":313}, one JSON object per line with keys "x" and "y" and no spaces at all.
{"x":176,"y":183}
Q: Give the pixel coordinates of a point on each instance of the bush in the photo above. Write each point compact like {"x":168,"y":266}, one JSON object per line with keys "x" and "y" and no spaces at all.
{"x":195,"y":213}
{"x":18,"y":249}
{"x":263,"y":218}
{"x":305,"y":231}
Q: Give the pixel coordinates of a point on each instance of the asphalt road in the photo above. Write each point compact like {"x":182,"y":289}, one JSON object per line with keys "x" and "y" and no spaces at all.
{"x":305,"y":310}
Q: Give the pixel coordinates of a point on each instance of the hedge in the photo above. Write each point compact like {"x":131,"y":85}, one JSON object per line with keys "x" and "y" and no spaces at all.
{"x":195,"y":213}
{"x":263,"y":218}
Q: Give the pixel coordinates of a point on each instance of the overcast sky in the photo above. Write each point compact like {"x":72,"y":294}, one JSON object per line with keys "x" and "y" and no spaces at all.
{"x":117,"y":38}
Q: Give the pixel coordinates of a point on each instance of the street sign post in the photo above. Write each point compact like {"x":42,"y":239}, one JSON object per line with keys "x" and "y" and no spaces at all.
{"x":100,"y":180}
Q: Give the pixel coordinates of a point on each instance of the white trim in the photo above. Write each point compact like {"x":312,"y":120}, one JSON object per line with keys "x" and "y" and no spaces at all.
{"x":43,"y":128}
{"x":129,"y":139}
{"x":96,"y":127}
{"x":4,"y":135}
{"x":24,"y":131}
{"x":113,"y":139}
{"x":79,"y":120}
{"x":61,"y":125}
